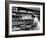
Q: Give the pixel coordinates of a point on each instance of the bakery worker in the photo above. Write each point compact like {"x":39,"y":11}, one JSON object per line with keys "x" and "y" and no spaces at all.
{"x":36,"y":24}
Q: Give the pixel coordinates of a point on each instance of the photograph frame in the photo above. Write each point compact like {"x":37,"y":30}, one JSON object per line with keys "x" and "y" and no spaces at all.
{"x":7,"y":18}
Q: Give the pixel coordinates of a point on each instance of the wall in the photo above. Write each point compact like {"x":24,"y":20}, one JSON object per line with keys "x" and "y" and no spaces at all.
{"x":2,"y":19}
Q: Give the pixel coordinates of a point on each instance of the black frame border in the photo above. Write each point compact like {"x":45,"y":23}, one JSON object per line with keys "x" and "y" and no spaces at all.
{"x":7,"y":18}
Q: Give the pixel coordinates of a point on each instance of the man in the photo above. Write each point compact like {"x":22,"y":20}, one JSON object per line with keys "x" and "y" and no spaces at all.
{"x":36,"y":24}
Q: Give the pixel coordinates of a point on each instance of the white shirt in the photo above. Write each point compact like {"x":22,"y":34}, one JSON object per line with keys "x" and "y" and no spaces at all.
{"x":37,"y":21}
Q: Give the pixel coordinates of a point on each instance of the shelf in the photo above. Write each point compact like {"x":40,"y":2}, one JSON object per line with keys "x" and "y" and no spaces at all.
{"x":37,"y":13}
{"x":16,"y":15}
{"x":22,"y":13}
{"x":17,"y":24}
{"x":22,"y":24}
{"x":22,"y":8}
{"x":22,"y":19}
{"x":26,"y":9}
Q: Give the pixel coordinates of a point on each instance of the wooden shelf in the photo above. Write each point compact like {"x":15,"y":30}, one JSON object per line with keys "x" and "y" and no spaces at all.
{"x":22,"y":13}
{"x":17,"y":24}
{"x":17,"y":15}
{"x":23,"y":24}
{"x":22,"y":19}
{"x":22,"y":8}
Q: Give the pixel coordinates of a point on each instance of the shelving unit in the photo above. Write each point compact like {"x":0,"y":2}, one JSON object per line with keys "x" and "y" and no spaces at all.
{"x":17,"y":16}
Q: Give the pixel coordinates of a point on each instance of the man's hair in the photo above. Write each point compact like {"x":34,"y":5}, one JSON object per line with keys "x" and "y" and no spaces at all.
{"x":33,"y":16}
